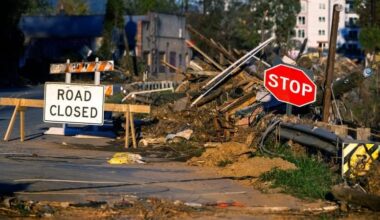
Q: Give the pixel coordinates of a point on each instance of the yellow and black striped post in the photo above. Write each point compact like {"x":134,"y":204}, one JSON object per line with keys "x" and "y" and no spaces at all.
{"x":357,"y":158}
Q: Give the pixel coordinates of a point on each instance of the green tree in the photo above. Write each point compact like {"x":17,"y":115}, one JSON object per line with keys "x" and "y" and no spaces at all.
{"x":39,"y":7}
{"x":281,"y":17}
{"x":369,"y":21}
{"x":73,"y":7}
{"x":139,"y":7}
{"x":369,"y":38}
{"x":113,"y":22}
{"x":240,"y":24}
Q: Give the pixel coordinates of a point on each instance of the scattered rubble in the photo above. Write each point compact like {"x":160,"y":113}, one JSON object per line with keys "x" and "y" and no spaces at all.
{"x":225,"y":103}
{"x":126,"y":158}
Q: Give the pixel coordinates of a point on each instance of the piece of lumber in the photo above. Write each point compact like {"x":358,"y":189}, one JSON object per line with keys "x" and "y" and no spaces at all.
{"x":22,"y":123}
{"x":218,"y":79}
{"x":177,"y":70}
{"x":127,"y":129}
{"x":39,"y":103}
{"x":204,"y":73}
{"x":341,"y":131}
{"x":33,"y":103}
{"x":239,"y":103}
{"x":363,"y":134}
{"x":210,"y":97}
{"x":217,"y":65}
{"x":11,"y":123}
{"x":195,"y":66}
{"x":133,"y":133}
{"x":211,"y":43}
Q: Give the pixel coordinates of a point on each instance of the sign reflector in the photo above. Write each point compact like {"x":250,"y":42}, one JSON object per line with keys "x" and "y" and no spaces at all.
{"x":74,"y":104}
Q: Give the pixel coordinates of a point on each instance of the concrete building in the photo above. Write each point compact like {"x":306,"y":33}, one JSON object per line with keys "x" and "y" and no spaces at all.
{"x":162,"y":37}
{"x":315,"y":18}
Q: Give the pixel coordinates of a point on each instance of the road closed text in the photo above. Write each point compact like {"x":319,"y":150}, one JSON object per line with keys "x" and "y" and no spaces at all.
{"x":76,"y":111}
{"x":77,"y":104}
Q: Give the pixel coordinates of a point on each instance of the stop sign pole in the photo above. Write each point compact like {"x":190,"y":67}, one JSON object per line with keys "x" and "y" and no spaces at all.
{"x":290,"y":85}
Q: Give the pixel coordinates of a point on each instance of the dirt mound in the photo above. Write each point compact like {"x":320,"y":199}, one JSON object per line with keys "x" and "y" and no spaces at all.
{"x":222,"y":155}
{"x":232,"y":158}
{"x":256,"y":166}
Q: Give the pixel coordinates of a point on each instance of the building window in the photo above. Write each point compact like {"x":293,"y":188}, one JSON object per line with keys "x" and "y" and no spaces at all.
{"x":322,"y":45}
{"x":321,"y":32}
{"x":322,"y":19}
{"x":301,"y":33}
{"x":162,"y":56}
{"x":301,"y":20}
{"x":172,"y":59}
{"x":303,"y":7}
{"x":180,"y":63}
{"x":322,"y":6}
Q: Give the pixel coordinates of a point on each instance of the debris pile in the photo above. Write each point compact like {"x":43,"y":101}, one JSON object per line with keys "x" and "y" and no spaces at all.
{"x":222,"y":99}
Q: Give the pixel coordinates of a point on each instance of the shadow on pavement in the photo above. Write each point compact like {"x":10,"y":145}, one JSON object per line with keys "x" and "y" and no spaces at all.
{"x":29,"y":137}
{"x":7,"y":189}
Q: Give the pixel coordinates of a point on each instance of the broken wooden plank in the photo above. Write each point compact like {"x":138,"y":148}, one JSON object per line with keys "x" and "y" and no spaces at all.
{"x":239,"y":103}
{"x":11,"y":123}
{"x":22,"y":123}
{"x":204,"y":73}
{"x":363,"y":134}
{"x":127,"y":121}
{"x":228,"y":71}
{"x":177,"y":70}
{"x":217,"y":65}
{"x":211,"y":43}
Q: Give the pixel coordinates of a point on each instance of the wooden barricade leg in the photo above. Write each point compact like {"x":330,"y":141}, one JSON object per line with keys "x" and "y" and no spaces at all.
{"x":133,"y":133}
{"x":11,"y":123}
{"x":127,"y":129}
{"x":22,"y":123}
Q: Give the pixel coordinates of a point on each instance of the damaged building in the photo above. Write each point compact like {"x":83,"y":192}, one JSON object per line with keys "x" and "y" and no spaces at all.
{"x":153,"y":38}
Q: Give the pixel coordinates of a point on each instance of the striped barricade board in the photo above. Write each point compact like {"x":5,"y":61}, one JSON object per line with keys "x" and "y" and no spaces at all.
{"x":357,"y":158}
{"x":83,"y":67}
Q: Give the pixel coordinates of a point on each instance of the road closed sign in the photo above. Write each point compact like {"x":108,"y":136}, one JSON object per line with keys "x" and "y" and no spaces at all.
{"x":74,"y":104}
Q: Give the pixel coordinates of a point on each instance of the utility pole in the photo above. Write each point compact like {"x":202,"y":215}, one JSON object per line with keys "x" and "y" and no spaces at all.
{"x":330,"y":63}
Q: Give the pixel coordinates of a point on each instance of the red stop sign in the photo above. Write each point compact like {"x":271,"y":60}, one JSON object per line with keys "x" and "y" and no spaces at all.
{"x":290,"y":85}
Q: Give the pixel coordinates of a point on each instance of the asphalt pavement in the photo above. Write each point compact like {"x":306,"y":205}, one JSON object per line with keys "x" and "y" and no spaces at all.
{"x":60,"y":168}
